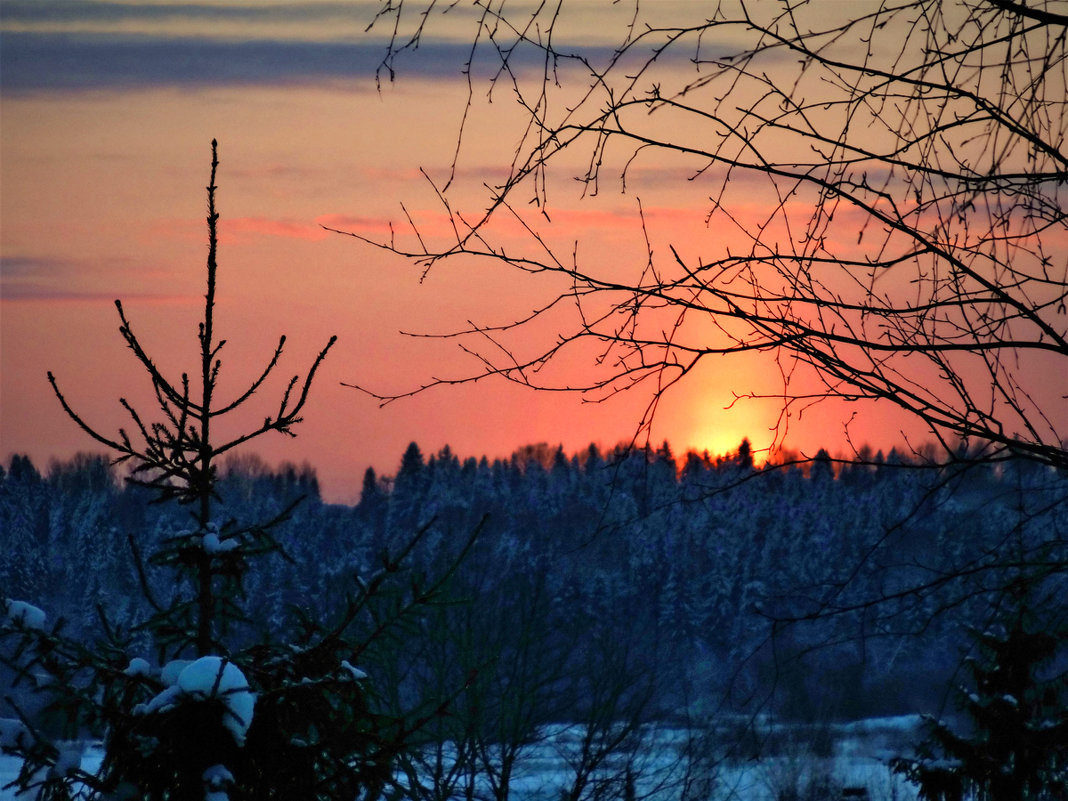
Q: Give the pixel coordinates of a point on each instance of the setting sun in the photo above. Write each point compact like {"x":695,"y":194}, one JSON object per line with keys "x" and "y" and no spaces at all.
{"x":721,"y":432}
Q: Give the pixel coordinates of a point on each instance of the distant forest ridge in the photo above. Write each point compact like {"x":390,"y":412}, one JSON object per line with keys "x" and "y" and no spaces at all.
{"x":690,"y":567}
{"x":540,"y":454}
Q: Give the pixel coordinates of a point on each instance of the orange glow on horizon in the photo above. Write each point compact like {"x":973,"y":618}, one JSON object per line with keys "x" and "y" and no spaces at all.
{"x":717,"y":443}
{"x":720,"y":432}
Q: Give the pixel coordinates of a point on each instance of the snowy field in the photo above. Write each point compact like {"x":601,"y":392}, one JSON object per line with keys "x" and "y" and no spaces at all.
{"x":856,"y":759}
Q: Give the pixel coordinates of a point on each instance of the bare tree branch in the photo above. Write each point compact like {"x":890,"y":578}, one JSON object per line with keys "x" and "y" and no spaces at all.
{"x":912,"y":157}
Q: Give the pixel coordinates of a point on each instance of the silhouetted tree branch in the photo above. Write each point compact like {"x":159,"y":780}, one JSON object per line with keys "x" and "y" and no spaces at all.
{"x":885,"y":205}
{"x":884,"y":216}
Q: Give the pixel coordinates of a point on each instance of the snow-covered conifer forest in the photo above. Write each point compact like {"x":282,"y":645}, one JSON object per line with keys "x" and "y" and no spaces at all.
{"x":705,"y":610}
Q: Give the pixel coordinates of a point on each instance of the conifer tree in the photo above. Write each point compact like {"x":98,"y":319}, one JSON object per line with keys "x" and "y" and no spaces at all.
{"x":1017,"y":705}
{"x":202,"y":717}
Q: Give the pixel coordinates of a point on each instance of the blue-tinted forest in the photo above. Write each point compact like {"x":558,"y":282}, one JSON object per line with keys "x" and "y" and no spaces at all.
{"x":657,"y":584}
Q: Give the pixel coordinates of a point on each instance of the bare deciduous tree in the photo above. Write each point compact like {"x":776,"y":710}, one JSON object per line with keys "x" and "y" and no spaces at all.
{"x":885,"y":189}
{"x":884,"y":220}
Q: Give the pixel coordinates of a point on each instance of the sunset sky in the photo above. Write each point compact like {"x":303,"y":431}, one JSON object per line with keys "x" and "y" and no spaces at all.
{"x":108,"y":110}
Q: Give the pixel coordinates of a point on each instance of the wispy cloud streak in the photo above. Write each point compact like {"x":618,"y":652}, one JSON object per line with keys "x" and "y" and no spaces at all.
{"x":60,"y":280}
{"x":31,"y":61}
{"x":67,"y":45}
{"x":80,"y":12}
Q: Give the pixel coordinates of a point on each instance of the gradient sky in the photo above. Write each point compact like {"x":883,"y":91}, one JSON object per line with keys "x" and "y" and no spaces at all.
{"x":107,"y":113}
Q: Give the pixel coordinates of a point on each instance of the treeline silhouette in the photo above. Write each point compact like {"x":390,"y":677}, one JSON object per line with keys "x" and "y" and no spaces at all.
{"x":671,"y":577}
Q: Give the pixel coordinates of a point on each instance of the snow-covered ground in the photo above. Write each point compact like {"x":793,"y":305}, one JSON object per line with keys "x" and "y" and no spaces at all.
{"x":857,"y":759}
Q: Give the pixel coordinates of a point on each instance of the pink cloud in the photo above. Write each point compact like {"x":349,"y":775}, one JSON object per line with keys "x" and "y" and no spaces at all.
{"x":356,"y":224}
{"x":242,"y":227}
